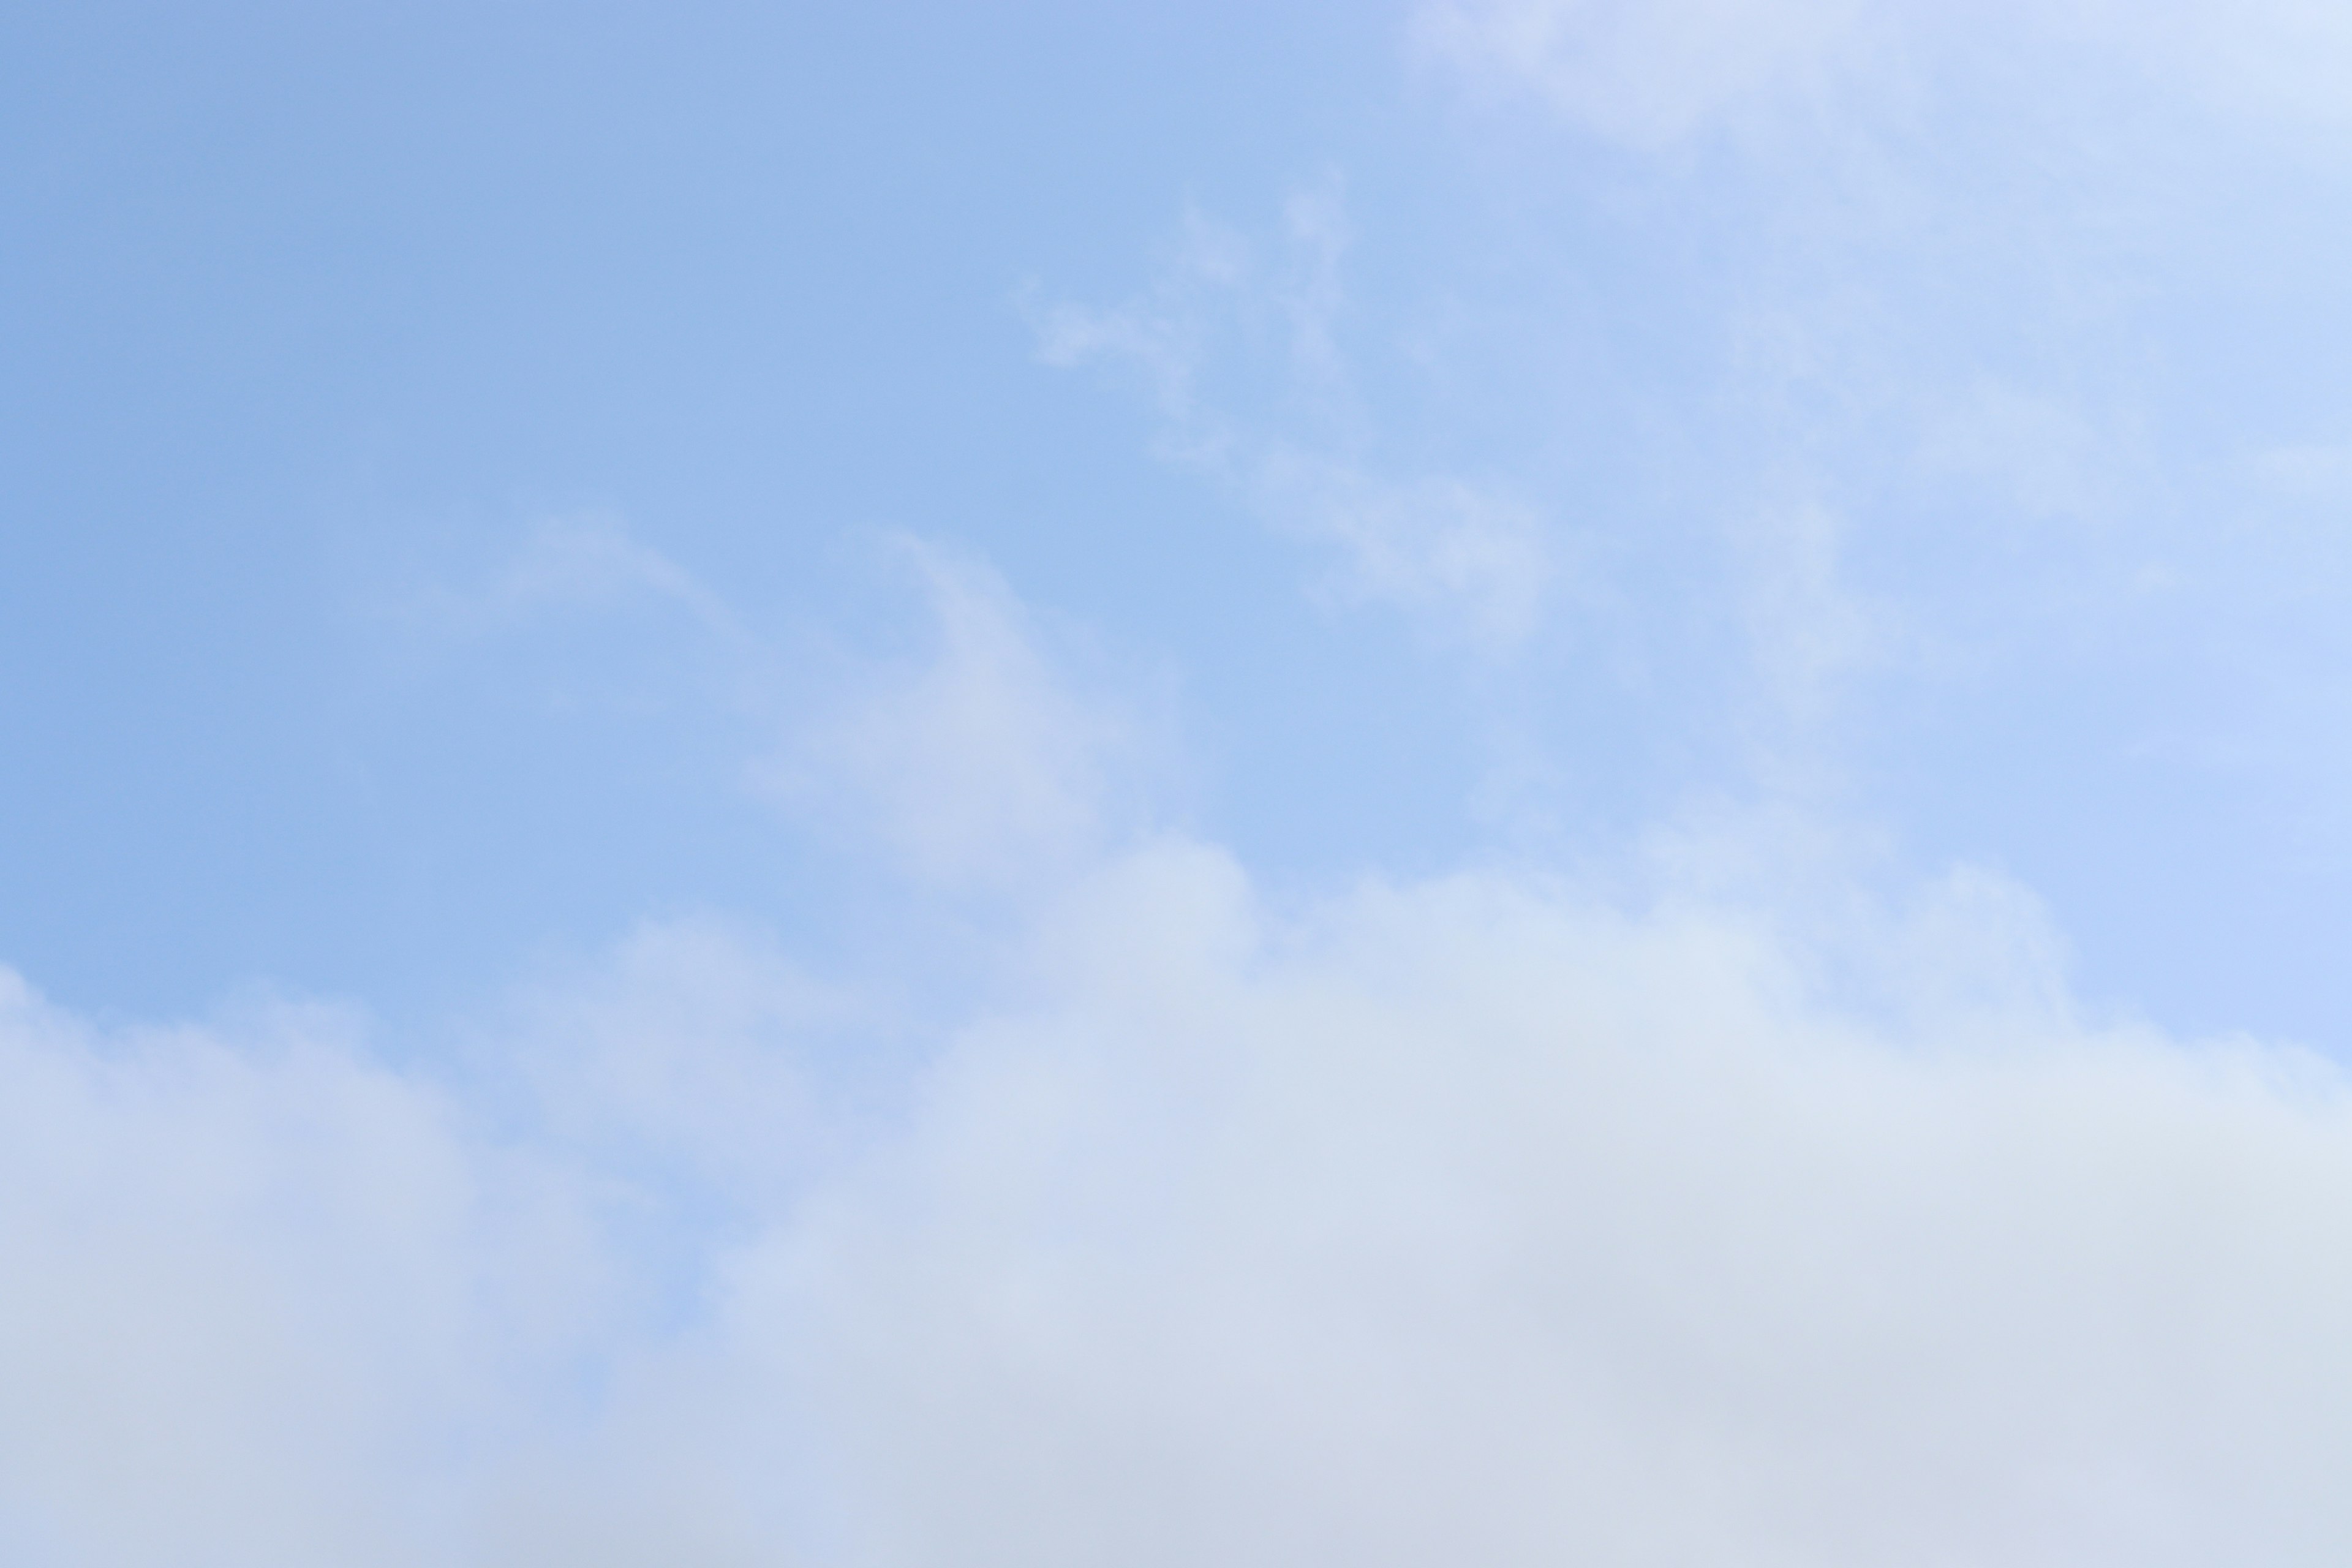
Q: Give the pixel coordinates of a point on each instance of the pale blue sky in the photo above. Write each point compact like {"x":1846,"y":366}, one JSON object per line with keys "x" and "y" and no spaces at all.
{"x":311,"y":314}
{"x":1053,"y":784}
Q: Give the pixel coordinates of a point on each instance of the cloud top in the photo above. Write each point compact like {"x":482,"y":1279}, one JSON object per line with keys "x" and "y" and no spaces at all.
{"x":1474,"y":1217}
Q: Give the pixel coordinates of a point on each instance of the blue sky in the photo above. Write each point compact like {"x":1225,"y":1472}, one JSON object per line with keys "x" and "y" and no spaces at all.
{"x":937,"y":787}
{"x":318,"y":316}
{"x":325,"y":313}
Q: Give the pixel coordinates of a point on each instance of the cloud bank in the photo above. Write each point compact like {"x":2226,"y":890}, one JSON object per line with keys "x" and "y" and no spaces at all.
{"x":1479,"y":1218}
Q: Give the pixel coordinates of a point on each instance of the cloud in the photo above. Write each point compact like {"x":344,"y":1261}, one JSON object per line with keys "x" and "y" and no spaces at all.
{"x":576,"y":563}
{"x":1651,"y":75}
{"x":1455,"y":555}
{"x":1474,"y":1220}
{"x":265,"y":1295}
{"x":1469,"y":1218}
{"x":1733,"y":1215}
{"x":977,"y":764}
{"x":680,"y":1057}
{"x":1468,"y":560}
{"x":2279,"y":62}
{"x":1660,"y":76}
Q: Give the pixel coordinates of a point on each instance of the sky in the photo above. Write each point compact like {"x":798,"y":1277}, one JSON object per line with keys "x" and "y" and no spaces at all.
{"x":1458,"y":781}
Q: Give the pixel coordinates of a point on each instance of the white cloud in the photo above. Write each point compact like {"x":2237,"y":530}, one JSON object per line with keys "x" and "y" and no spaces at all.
{"x":977,"y":764}
{"x":593,"y":560}
{"x":1470,"y":1219}
{"x":569,"y":564}
{"x":680,"y":1056}
{"x":2276,"y":61}
{"x":1478,"y":1219}
{"x":1468,"y":560}
{"x":1660,"y":75}
{"x":1473,"y":1221}
{"x":1648,"y":73}
{"x":264,"y":1297}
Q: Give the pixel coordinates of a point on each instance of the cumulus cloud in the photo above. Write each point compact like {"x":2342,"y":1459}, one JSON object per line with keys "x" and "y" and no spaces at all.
{"x":1471,"y":1218}
{"x":1482,"y":1217}
{"x":1474,"y":1220}
{"x":266,"y":1299}
{"x":679,"y":1056}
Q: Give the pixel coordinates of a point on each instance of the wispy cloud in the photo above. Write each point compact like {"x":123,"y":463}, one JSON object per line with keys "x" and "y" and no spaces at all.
{"x":976,"y":763}
{"x":1658,"y":77}
{"x":567,"y":564}
{"x":1470,"y":563}
{"x":1651,"y":75}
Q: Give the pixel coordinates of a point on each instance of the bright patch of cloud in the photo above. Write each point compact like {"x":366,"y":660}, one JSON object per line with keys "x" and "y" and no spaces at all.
{"x":265,"y":1297}
{"x":1470,"y":1217}
{"x":1473,"y":1220}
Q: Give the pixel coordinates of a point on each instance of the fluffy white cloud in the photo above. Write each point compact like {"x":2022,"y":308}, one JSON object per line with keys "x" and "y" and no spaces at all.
{"x":1474,"y":1220}
{"x":265,"y":1301}
{"x":1478,"y":1218}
